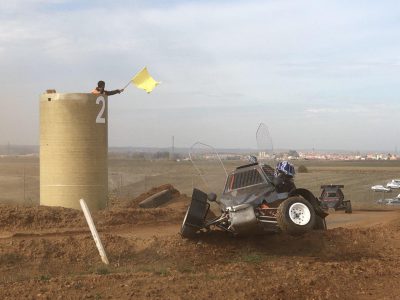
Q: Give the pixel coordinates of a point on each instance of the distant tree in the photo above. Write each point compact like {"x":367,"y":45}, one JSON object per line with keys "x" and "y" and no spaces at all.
{"x":302,"y":169}
{"x":138,"y":155}
{"x":233,"y":157}
{"x":293,"y":153}
{"x":161,"y":155}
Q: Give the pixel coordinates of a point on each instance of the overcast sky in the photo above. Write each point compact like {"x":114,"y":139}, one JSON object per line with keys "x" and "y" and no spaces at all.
{"x":320,"y":74}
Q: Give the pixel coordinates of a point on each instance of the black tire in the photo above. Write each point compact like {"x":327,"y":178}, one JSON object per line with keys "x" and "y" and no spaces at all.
{"x":187,"y":231}
{"x":295,"y":209}
{"x":348,"y":210}
{"x":195,"y":214}
{"x":320,"y":223}
{"x":156,"y":200}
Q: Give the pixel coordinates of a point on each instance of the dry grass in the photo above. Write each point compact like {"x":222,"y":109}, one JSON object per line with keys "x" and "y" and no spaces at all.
{"x":129,"y":178}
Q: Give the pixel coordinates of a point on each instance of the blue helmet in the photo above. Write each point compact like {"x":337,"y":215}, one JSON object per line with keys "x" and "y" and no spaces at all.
{"x":286,"y":168}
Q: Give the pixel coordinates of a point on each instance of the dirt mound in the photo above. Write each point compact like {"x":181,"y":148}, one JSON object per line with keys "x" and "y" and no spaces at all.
{"x":33,"y":218}
{"x":21,"y":218}
{"x":39,"y":217}
{"x":171,"y":212}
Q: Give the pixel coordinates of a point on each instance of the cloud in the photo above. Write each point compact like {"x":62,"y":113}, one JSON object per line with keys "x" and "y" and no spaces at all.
{"x":321,"y":110}
{"x":274,"y":60}
{"x":366,"y":110}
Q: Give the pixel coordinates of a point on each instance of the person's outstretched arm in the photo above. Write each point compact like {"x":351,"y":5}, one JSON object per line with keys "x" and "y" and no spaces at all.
{"x":110,"y":93}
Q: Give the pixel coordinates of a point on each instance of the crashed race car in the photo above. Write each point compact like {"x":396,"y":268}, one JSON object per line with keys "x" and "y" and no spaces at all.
{"x":256,"y":199}
{"x":332,"y":197}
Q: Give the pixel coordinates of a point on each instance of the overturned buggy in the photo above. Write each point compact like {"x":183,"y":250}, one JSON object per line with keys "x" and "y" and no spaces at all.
{"x":254,"y":200}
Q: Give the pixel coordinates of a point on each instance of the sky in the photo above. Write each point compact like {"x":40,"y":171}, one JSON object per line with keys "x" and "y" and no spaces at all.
{"x":319,"y":74}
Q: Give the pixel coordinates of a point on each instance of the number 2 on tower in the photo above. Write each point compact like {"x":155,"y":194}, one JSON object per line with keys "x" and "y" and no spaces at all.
{"x":100,"y":118}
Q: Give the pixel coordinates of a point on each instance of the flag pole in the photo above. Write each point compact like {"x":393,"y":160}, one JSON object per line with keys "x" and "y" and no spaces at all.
{"x":131,"y":79}
{"x":127,"y":84}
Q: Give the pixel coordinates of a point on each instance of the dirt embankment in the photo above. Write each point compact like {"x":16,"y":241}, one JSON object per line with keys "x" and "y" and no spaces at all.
{"x":25,"y":218}
{"x":50,"y":254}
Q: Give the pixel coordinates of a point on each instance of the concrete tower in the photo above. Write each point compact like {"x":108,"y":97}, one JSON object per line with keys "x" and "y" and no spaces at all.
{"x":73,"y":150}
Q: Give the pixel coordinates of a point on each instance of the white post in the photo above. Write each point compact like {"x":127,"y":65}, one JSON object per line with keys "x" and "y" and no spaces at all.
{"x":93,"y":230}
{"x":24,"y":185}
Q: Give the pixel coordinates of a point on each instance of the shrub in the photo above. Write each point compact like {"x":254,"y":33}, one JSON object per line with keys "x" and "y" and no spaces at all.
{"x":302,"y":169}
{"x":102,"y":271}
{"x":252,"y":258}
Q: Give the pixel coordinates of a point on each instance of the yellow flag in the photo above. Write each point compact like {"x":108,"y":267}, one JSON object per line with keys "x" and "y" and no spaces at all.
{"x":143,"y":80}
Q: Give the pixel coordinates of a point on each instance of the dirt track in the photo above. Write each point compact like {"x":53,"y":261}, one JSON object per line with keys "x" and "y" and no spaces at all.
{"x":361,"y":218}
{"x":49,"y":253}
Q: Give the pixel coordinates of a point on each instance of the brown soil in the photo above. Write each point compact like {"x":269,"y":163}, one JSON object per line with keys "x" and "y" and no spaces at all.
{"x":48,"y":253}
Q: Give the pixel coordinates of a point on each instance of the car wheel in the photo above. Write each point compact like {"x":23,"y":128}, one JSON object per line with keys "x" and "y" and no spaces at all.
{"x":348,"y":210}
{"x":295,"y":215}
{"x":186,"y":230}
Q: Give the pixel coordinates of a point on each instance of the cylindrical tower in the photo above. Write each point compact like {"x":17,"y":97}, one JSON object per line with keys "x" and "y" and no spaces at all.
{"x":73,"y":150}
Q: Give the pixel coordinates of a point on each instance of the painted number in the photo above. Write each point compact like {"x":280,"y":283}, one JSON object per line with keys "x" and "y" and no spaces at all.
{"x":100,"y":118}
